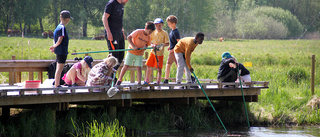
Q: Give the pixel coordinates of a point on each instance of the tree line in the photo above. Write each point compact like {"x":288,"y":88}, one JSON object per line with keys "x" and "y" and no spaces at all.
{"x":262,"y":19}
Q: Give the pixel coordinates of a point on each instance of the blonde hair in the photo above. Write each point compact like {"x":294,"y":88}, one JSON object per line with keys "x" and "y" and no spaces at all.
{"x":111,"y":59}
{"x":85,"y":69}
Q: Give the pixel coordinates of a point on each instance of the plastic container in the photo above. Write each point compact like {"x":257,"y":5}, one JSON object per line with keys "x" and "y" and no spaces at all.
{"x":32,"y":84}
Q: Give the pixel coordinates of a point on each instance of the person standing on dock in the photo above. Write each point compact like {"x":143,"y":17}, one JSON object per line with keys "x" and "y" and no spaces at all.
{"x":174,"y":38}
{"x":182,"y":52}
{"x":138,"y":40}
{"x":61,"y":42}
{"x":113,"y":23}
{"x":155,"y":59}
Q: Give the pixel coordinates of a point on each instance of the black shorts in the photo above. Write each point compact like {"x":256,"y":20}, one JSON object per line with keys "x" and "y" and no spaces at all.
{"x":61,"y":58}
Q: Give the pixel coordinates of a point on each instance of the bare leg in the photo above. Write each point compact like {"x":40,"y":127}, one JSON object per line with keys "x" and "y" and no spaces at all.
{"x":159,"y":75}
{"x":138,"y":74}
{"x":71,"y":75}
{"x":168,"y":66}
{"x":123,"y":71}
{"x":57,"y":76}
{"x":147,"y":78}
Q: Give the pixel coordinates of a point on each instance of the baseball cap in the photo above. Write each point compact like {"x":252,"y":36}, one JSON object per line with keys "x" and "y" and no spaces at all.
{"x":66,"y":14}
{"x":88,"y":60}
{"x":226,"y":55}
{"x":158,"y":20}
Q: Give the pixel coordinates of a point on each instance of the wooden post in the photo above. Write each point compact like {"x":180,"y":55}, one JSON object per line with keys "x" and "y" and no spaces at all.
{"x":312,"y":73}
{"x":11,"y":74}
{"x":40,"y":76}
{"x":31,"y":76}
{"x":17,"y":75}
{"x":132,"y":77}
{"x":112,"y":112}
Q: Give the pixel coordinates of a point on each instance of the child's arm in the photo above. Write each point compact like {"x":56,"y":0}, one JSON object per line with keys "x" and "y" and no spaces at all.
{"x":131,"y":43}
{"x":56,"y":44}
{"x":82,"y":78}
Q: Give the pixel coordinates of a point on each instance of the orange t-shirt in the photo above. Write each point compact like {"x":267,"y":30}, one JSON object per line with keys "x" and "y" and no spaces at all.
{"x":139,"y":40}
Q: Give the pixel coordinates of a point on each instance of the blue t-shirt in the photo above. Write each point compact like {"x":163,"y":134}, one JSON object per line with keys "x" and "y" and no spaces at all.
{"x":115,"y":20}
{"x":173,"y":36}
{"x":61,"y":31}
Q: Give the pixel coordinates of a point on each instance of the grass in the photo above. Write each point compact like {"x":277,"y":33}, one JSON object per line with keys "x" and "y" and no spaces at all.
{"x":286,"y":64}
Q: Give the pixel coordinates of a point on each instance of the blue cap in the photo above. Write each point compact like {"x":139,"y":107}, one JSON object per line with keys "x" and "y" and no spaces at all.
{"x":226,"y":55}
{"x":88,"y":60}
{"x":158,"y":20}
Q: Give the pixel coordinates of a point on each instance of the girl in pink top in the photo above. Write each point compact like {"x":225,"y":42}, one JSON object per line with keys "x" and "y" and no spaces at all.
{"x":77,"y":75}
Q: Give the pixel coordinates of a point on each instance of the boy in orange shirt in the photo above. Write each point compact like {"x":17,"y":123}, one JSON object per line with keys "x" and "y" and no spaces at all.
{"x":139,"y":38}
{"x":155,"y":59}
{"x":182,"y":52}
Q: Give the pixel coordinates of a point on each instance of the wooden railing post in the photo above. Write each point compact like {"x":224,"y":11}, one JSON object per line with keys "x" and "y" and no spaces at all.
{"x":12,"y":74}
{"x":313,"y":60}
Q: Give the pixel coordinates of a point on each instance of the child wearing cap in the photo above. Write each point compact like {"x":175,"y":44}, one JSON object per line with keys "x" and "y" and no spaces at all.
{"x":228,"y":68}
{"x":138,"y":39}
{"x":182,"y":52}
{"x":155,"y":59}
{"x":174,"y":37}
{"x":77,"y":75}
{"x":61,"y":42}
{"x":101,"y":73}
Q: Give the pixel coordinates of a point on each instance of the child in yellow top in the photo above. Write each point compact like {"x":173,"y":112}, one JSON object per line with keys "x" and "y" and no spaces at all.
{"x":182,"y":52}
{"x":139,"y":38}
{"x":155,"y":59}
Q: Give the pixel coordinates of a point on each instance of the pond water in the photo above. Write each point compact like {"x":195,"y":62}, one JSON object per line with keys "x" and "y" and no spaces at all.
{"x":306,"y":131}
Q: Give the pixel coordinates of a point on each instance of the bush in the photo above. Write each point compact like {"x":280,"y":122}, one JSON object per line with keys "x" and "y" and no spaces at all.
{"x":297,"y":74}
{"x":280,"y":15}
{"x":262,"y":27}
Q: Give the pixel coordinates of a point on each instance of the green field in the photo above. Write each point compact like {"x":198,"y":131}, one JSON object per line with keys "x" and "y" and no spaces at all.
{"x":286,"y":64}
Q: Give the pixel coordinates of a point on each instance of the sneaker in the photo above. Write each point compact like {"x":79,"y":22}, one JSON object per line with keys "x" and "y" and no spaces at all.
{"x":146,"y":83}
{"x":119,"y":82}
{"x":180,"y":87}
{"x":193,"y":79}
{"x":156,"y":83}
{"x":75,"y":85}
{"x":139,"y":86}
{"x":166,"y":81}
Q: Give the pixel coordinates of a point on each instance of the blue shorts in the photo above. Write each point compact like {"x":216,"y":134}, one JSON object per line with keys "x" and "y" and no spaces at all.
{"x":133,"y":60}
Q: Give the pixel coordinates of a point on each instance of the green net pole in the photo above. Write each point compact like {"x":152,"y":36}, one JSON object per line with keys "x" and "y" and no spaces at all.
{"x":210,"y":102}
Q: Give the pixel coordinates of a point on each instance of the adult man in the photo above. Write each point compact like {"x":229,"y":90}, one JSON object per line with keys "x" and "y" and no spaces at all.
{"x":113,"y":23}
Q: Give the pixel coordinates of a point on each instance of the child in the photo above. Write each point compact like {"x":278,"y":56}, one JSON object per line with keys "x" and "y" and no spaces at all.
{"x":228,"y":68}
{"x":139,"y":38}
{"x":158,"y":37}
{"x":101,"y":73}
{"x":182,"y":52}
{"x":60,"y":48}
{"x":174,"y":38}
{"x":244,"y":72}
{"x":77,"y":75}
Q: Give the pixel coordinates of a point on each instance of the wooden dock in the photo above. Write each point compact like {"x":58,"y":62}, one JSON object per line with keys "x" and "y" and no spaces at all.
{"x":13,"y":96}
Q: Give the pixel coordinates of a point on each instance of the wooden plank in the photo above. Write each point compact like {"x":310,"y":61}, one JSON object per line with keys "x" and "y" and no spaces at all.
{"x":99,"y":96}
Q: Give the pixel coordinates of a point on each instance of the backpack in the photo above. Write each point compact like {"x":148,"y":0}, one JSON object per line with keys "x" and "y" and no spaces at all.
{"x":52,"y":71}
